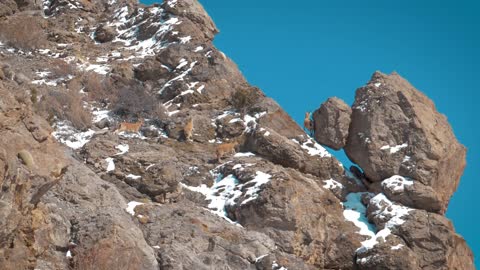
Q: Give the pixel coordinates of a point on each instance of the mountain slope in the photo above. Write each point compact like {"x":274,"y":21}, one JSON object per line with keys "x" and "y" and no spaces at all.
{"x":159,"y":193}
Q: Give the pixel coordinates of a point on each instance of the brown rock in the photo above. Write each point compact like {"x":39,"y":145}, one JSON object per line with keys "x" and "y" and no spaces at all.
{"x":194,"y":11}
{"x":105,"y":34}
{"x":415,"y":195}
{"x":432,"y":239}
{"x":396,"y":130}
{"x":331,"y":123}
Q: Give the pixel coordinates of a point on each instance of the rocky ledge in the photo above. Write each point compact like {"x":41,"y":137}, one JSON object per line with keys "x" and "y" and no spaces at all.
{"x":128,"y":141}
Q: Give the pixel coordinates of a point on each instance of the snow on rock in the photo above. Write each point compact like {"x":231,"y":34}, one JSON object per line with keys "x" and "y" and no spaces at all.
{"x":129,"y":135}
{"x":248,"y":118}
{"x":99,"y":115}
{"x":356,"y":212}
{"x":276,"y":266}
{"x":226,"y":191}
{"x":377,"y":85}
{"x":71,"y":137}
{"x":69,"y":254}
{"x":260,"y":179}
{"x":131,"y":207}
{"x":388,"y":211}
{"x":397,"y":247}
{"x":394,"y":149}
{"x":313,"y":148}
{"x":332,"y":184}
{"x":110,"y":164}
{"x":244,"y":154}
{"x":134,"y":177}
{"x":396,"y":183}
{"x":123,"y":148}
{"x":128,"y":27}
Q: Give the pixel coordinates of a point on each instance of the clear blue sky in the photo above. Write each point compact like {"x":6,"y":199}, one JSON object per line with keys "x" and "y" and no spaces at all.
{"x":302,"y":52}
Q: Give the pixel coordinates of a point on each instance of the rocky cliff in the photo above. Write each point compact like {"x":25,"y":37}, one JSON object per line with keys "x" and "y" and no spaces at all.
{"x":128,"y":141}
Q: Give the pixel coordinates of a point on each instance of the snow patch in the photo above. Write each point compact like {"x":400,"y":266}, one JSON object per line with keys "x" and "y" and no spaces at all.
{"x":123,"y":148}
{"x":134,"y":177}
{"x":71,"y":137}
{"x":226,"y":191}
{"x":332,"y":184}
{"x":313,"y":148}
{"x":356,"y":212}
{"x":110,"y":164}
{"x":131,"y":207}
{"x":244,"y":154}
{"x":394,"y":149}
{"x":396,"y":183}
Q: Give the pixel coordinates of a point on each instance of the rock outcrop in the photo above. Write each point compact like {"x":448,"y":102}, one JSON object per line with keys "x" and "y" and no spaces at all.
{"x":396,"y":130}
{"x":332,"y":121}
{"x":79,"y":193}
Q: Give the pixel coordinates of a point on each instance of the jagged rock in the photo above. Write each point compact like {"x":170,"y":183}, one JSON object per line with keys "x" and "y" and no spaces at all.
{"x":331,"y":123}
{"x":287,"y":194}
{"x":195,"y":12}
{"x":396,"y":130}
{"x":288,"y":225}
{"x":105,"y":34}
{"x":387,"y":255}
{"x":432,"y":239}
{"x":411,"y":193}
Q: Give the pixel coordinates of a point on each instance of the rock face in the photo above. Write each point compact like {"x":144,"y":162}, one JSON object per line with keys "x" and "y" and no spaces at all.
{"x":97,"y":173}
{"x":396,"y":130}
{"x":332,"y":121}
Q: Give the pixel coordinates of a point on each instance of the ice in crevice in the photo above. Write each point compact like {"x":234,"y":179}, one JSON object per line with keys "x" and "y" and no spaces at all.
{"x":356,"y":212}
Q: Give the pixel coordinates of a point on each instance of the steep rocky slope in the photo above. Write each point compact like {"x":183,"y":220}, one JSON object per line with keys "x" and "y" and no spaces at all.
{"x":78,"y":192}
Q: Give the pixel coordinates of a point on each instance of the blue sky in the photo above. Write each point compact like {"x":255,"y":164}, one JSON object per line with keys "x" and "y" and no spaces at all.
{"x":302,"y":52}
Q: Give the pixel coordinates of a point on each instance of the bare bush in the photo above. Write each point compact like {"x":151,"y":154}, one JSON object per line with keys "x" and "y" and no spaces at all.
{"x":98,"y":87}
{"x":61,"y":69}
{"x":134,"y":101}
{"x":67,"y":105}
{"x":24,"y":32}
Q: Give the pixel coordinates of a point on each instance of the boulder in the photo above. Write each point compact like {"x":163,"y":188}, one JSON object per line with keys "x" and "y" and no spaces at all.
{"x":411,"y":193}
{"x":331,"y":123}
{"x":396,"y":130}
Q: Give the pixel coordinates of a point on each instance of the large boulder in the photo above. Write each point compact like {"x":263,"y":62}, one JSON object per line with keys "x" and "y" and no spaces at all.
{"x":332,"y":121}
{"x":396,"y":130}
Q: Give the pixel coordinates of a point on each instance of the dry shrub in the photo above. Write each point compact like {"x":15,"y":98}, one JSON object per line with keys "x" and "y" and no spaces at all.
{"x":24,"y":32}
{"x":134,"y":101}
{"x":244,"y":98}
{"x":65,"y":105}
{"x":107,"y":255}
{"x":61,"y":69}
{"x":98,"y":87}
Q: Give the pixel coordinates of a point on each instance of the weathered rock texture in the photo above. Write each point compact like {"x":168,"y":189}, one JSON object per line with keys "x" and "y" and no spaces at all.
{"x":78,"y":193}
{"x":332,"y":121}
{"x":396,"y":130}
